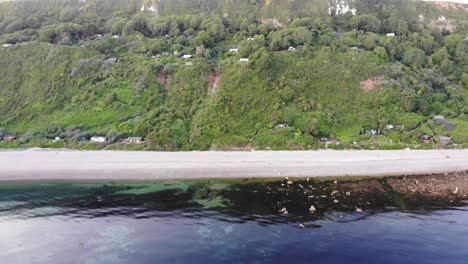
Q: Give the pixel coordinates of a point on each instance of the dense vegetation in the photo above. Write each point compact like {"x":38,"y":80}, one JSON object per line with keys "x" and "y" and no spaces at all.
{"x":310,"y":74}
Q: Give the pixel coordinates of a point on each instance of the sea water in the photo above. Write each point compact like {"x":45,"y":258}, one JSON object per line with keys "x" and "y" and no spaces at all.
{"x":221,"y":222}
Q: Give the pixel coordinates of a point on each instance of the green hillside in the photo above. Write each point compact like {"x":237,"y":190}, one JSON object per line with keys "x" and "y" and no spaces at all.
{"x":309,"y":75}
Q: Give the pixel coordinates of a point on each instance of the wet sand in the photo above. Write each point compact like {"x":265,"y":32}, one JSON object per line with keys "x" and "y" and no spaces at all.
{"x":120,"y":165}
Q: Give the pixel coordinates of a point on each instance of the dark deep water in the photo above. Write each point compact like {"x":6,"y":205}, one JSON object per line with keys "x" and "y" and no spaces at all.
{"x":224,"y":221}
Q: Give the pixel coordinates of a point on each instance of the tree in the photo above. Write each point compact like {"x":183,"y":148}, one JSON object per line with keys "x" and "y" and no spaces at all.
{"x":366,"y":23}
{"x":381,"y":53}
{"x":47,"y":34}
{"x":414,"y":57}
{"x":369,"y":42}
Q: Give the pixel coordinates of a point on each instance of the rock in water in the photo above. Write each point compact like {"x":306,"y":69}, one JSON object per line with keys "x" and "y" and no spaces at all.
{"x":358,"y":210}
{"x":312,"y":209}
{"x":348,"y":193}
{"x":456,"y":190}
{"x":284,"y":211}
{"x":301,"y":225}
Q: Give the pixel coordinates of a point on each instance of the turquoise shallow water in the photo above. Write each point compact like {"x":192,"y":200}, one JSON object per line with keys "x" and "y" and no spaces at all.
{"x":221,"y":222}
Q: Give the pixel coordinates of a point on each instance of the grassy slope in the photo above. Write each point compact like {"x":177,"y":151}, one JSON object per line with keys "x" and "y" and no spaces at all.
{"x":301,"y":90}
{"x":38,"y":91}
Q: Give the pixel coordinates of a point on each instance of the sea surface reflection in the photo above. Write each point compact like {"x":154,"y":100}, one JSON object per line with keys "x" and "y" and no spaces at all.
{"x":224,"y":222}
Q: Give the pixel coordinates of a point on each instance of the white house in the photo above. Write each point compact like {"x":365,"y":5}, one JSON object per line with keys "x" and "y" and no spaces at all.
{"x":234,"y":50}
{"x":389,"y":127}
{"x":111,"y":60}
{"x":390,"y":34}
{"x":115,"y":36}
{"x":98,"y":139}
{"x":291,"y":48}
{"x":187,"y":56}
{"x":244,"y":60}
{"x":6,"y":45}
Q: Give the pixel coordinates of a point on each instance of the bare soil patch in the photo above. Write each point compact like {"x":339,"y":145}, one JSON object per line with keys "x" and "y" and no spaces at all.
{"x":371,"y":84}
{"x":213,"y":80}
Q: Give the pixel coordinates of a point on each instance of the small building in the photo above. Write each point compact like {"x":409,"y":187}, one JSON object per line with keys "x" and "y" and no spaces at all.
{"x":234,"y":50}
{"x":250,"y":38}
{"x":187,"y":56}
{"x":98,"y":139}
{"x":438,"y":117}
{"x":6,"y":45}
{"x":401,"y":127}
{"x":391,"y":34}
{"x":281,"y":125}
{"x":445,"y":140}
{"x":9,"y":138}
{"x":56,"y":139}
{"x":111,"y":60}
{"x":244,"y":59}
{"x":372,"y":132}
{"x":98,"y":36}
{"x":115,"y":36}
{"x":425,"y":138}
{"x":389,"y":127}
{"x":134,"y":140}
{"x":291,"y":49}
{"x":354,"y":48}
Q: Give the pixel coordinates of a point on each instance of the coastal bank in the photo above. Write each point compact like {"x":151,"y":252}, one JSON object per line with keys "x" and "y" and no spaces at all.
{"x":119,"y":165}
